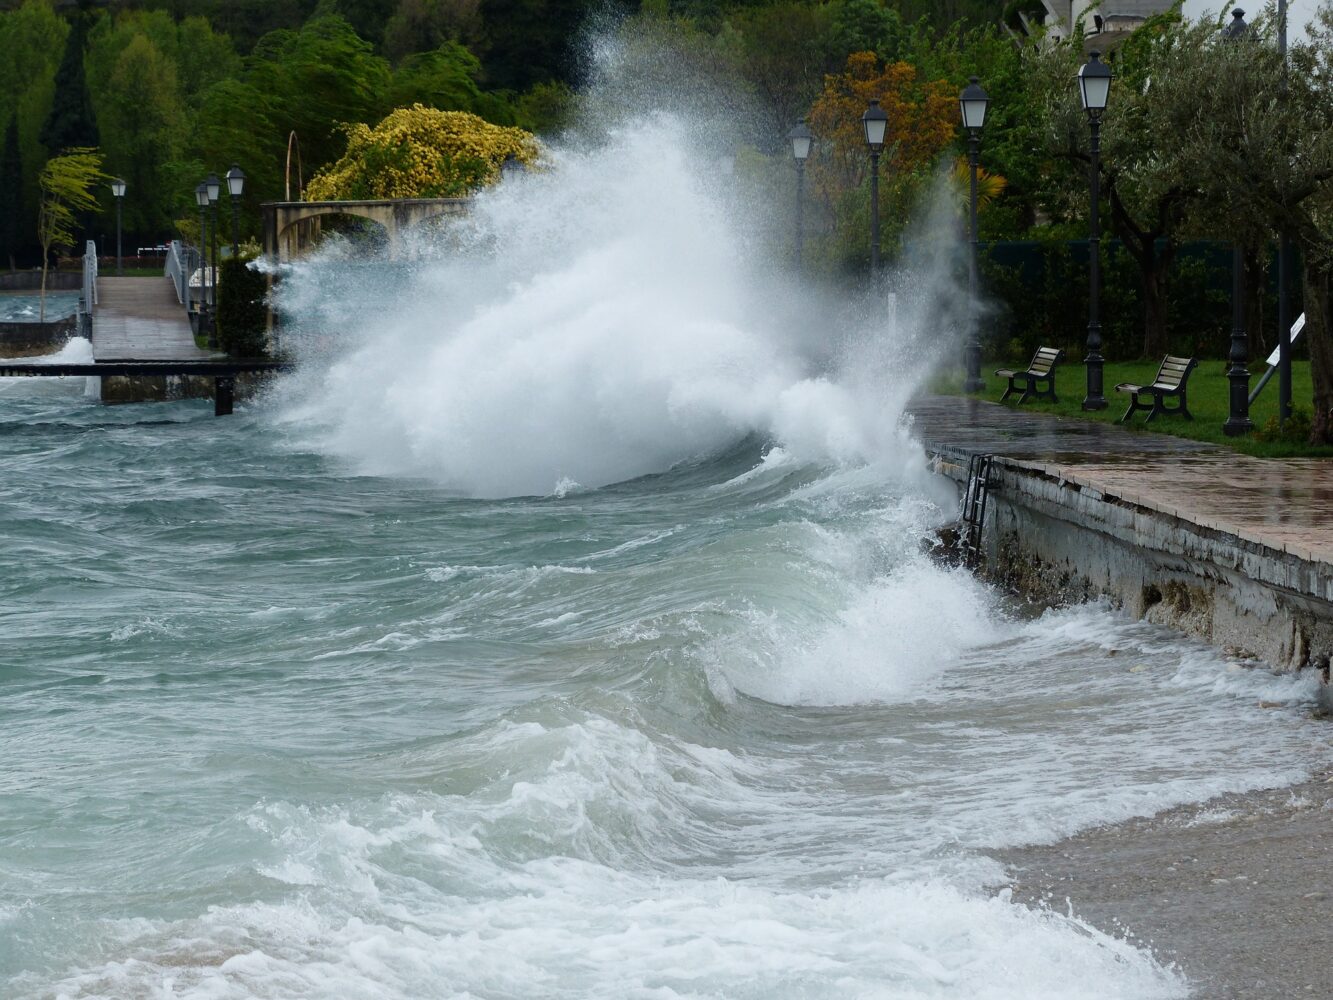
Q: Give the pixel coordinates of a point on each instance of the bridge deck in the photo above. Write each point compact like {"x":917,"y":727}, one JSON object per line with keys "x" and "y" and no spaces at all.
{"x":140,"y":318}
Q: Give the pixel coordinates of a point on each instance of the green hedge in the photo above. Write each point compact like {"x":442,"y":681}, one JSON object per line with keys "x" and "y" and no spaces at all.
{"x":242,"y":316}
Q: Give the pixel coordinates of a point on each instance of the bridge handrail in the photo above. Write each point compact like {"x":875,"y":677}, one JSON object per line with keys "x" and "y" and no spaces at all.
{"x":88,"y":293}
{"x":178,"y":268}
{"x":175,"y":268}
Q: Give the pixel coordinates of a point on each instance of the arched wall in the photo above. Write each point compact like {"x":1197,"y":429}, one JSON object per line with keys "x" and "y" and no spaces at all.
{"x":285,"y":238}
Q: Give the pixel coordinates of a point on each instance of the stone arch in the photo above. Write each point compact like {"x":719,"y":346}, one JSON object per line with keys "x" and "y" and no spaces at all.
{"x":289,"y":226}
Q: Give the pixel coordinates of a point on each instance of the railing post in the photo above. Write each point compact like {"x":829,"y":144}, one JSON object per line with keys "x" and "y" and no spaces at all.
{"x":224,"y":394}
{"x":88,"y":293}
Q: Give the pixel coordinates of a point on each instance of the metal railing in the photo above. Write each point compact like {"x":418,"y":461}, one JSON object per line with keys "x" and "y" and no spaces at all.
{"x":179,"y":266}
{"x":88,"y":294}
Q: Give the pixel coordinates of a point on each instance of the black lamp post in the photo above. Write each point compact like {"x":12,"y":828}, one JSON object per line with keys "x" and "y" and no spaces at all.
{"x":118,"y":190}
{"x":235,"y":188}
{"x":876,"y":123}
{"x":1284,"y":279}
{"x":973,"y":102}
{"x":214,"y":187}
{"x":1094,"y":84}
{"x":1238,"y":418}
{"x":1283,"y":259}
{"x":801,"y":140}
{"x":201,"y":199}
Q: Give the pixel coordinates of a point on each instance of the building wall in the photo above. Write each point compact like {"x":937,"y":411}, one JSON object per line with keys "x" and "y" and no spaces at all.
{"x":1064,"y":15}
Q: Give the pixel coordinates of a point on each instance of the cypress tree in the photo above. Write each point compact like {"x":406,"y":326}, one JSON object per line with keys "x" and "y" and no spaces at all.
{"x":70,"y":122}
{"x":11,"y":194}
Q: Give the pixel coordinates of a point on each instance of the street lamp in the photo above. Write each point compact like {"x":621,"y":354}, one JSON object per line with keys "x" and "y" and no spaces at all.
{"x":1238,"y":418}
{"x":118,"y":190}
{"x":214,"y":193}
{"x":1283,"y":259}
{"x":235,"y":188}
{"x":801,"y":140}
{"x":1094,"y":84}
{"x":973,"y":102}
{"x":876,"y":123}
{"x":201,"y":199}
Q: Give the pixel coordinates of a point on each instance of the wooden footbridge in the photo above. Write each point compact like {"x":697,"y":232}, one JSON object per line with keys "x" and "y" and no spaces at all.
{"x":140,"y":328}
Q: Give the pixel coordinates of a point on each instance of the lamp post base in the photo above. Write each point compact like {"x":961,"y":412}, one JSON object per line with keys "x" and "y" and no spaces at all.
{"x":1238,"y":416}
{"x":1094,"y":398}
{"x":973,"y":385}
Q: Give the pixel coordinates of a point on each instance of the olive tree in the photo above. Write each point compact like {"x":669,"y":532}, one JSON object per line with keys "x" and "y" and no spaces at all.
{"x":67,"y":182}
{"x":1254,"y":141}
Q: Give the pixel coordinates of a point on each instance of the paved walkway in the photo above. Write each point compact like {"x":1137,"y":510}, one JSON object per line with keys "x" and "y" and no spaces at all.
{"x":140,"y":319}
{"x":1286,"y":504}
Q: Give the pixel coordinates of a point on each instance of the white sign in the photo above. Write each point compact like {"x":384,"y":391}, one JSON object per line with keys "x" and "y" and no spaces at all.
{"x":1296,"y":329}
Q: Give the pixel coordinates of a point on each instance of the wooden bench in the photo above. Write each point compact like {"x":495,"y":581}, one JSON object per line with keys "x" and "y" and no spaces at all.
{"x":1170,"y":382}
{"x":1042,"y":369}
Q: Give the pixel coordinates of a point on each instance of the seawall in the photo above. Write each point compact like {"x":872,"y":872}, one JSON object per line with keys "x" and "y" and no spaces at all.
{"x":1234,"y":550}
{"x":20,"y":340}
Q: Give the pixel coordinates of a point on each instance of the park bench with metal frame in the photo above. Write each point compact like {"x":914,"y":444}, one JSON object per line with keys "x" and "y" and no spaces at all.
{"x":1042,"y":369}
{"x":1170,"y":382}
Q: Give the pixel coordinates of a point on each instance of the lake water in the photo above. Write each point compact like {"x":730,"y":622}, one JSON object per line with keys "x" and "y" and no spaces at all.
{"x":23,"y":307}
{"x":276,"y":729}
{"x":563,"y":629}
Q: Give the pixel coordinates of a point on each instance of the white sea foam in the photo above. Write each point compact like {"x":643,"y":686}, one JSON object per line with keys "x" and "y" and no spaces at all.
{"x":579,"y":931}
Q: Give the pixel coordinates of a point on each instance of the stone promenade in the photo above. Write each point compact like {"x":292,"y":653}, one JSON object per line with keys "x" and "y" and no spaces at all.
{"x":1283,"y":504}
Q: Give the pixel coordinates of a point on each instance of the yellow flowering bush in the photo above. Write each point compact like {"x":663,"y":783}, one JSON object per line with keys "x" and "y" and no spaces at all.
{"x":420,"y":152}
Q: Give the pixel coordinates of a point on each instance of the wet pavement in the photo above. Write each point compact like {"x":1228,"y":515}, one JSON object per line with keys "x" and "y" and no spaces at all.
{"x":1285,"y":504}
{"x":141,"y":319}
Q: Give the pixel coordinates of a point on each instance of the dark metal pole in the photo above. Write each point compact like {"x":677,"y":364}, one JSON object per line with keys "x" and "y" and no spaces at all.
{"x":1238,"y":421}
{"x":800,"y":205}
{"x":874,"y":211}
{"x":224,"y":395}
{"x":235,"y":226}
{"x":120,"y":269}
{"x":1094,"y":399}
{"x":213,"y":282}
{"x":1283,"y":262}
{"x":213,"y":232}
{"x":973,"y":359}
{"x":203,"y":270}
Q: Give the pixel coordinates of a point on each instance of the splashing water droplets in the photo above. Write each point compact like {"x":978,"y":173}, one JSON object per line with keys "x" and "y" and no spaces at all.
{"x":596,"y":321}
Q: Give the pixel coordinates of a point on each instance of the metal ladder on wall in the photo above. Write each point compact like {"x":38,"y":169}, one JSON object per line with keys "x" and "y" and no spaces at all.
{"x":974,"y":507}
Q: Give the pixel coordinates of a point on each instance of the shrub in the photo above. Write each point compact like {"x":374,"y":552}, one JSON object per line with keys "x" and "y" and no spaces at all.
{"x":1295,"y":429}
{"x":242,"y":316}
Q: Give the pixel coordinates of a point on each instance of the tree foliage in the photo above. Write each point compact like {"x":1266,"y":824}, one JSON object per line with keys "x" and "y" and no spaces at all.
{"x":67,"y":182}
{"x":420,"y":152}
{"x":242,"y":314}
{"x":70,"y":123}
{"x":11,"y":192}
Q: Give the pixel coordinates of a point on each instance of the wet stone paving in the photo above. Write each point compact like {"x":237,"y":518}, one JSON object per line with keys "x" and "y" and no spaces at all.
{"x":1284,"y":504}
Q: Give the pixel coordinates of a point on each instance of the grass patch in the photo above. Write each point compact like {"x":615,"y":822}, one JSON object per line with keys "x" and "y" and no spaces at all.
{"x":1209,"y":401}
{"x":133,"y":272}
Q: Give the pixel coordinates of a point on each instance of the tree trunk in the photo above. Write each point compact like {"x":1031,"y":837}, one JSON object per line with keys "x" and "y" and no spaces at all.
{"x":1318,"y":282}
{"x":1153,"y":269}
{"x":41,"y":309}
{"x":1256,"y":271}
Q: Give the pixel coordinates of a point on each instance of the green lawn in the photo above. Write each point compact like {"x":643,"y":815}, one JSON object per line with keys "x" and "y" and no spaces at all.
{"x":1208,"y":401}
{"x":131,"y":272}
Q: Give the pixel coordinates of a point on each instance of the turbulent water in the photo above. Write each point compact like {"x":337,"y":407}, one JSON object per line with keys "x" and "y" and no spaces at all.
{"x":27,"y":307}
{"x":562,"y":630}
